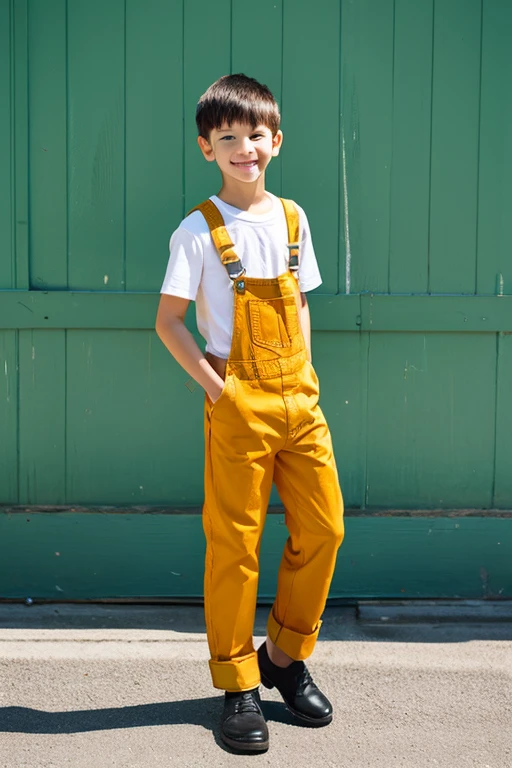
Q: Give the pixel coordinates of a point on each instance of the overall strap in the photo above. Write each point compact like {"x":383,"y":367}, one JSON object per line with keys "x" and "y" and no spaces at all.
{"x":221,"y":239}
{"x":292,"y":220}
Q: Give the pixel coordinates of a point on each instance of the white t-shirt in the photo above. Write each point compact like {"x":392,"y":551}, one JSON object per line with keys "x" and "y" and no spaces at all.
{"x":195,"y":271}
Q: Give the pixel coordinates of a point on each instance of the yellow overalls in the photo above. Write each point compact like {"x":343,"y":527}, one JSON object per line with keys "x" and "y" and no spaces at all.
{"x":265,"y":426}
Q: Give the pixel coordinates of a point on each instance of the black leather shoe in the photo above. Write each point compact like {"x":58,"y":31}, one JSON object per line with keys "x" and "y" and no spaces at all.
{"x":243,"y":727}
{"x":302,"y":697}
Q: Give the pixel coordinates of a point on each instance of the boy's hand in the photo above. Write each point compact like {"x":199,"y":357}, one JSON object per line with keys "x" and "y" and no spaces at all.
{"x":305,"y":322}
{"x":170,"y":326}
{"x":214,"y":392}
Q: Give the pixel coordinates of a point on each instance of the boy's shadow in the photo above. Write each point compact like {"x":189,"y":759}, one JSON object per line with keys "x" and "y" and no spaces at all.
{"x":204,"y":712}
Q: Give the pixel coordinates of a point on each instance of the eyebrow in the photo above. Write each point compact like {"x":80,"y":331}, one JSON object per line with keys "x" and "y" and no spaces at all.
{"x":231,"y":130}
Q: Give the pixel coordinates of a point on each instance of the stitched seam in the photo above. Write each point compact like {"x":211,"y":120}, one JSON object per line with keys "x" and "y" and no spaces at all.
{"x":209,"y":576}
{"x":290,"y":593}
{"x":269,"y":281}
{"x":269,"y":369}
{"x":209,"y":564}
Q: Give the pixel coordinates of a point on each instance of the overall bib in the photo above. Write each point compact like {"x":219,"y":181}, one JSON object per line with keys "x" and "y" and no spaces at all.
{"x":265,"y":426}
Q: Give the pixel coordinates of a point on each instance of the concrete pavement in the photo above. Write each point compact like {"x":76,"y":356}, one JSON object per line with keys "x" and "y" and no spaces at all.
{"x":106,"y":685}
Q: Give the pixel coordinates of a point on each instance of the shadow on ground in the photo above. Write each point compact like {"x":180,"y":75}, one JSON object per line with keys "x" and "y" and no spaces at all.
{"x":440,"y":623}
{"x":204,"y":712}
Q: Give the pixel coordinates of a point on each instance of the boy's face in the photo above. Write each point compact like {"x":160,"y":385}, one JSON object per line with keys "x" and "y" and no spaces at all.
{"x":241,"y":152}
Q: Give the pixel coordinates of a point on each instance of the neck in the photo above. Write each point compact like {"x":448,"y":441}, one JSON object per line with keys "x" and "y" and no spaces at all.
{"x":247,"y":197}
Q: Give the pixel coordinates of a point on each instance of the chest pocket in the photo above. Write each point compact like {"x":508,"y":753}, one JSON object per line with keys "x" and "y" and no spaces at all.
{"x":274,"y":323}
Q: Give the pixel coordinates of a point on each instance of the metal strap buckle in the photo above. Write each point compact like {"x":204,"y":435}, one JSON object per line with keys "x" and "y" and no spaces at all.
{"x":293,"y":258}
{"x":235,"y":269}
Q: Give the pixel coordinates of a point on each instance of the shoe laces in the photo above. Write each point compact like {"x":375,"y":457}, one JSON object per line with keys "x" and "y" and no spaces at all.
{"x":303,"y":680}
{"x":246,"y":703}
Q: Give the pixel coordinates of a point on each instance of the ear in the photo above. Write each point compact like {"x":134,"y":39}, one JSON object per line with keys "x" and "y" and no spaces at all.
{"x":206,"y":148}
{"x":277,"y":142}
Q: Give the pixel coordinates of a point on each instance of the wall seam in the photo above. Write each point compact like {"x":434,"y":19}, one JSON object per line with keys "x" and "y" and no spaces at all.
{"x":429,"y":239}
{"x":496,"y":418}
{"x":124,"y":150}
{"x":14,"y":275}
{"x":231,"y":37}
{"x":183,"y":124}
{"x":282,"y":89}
{"x":390,"y":209}
{"x":66,"y":44}
{"x":66,"y":500}
{"x":341,"y":163}
{"x":18,"y":391}
{"x":477,"y":217}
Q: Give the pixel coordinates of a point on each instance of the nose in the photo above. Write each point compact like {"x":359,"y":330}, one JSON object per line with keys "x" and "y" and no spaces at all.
{"x":245,"y":147}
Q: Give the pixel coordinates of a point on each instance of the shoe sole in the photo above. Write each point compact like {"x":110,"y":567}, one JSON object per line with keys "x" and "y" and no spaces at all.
{"x":237,"y":746}
{"x":313,"y":722}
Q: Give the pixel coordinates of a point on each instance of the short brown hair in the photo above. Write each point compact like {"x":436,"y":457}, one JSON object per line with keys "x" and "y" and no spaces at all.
{"x":236,"y":99}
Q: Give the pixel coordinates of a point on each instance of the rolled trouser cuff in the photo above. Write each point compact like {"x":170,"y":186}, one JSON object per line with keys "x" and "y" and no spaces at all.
{"x":294,"y":644}
{"x":237,"y":674}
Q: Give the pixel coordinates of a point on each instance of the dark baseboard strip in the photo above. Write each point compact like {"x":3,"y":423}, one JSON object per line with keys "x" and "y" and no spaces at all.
{"x":273,"y":510}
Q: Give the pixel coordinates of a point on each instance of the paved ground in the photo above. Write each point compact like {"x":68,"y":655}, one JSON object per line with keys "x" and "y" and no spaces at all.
{"x":128,"y":686}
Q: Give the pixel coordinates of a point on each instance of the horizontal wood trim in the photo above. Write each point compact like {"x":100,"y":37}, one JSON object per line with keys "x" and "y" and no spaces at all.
{"x":358,"y":312}
{"x":32,"y":509}
{"x":101,"y":556}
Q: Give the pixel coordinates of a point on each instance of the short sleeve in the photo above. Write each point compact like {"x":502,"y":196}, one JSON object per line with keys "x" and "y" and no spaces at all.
{"x":185,"y":265}
{"x":309,"y":273}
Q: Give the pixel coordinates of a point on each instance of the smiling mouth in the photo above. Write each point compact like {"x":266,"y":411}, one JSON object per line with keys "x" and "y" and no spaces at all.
{"x":250,"y":164}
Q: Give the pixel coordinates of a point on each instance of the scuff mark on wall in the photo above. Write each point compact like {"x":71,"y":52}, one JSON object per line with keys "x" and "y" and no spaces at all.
{"x":485,"y":580}
{"x":411,"y":367}
{"x":348,"y":253}
{"x":7,"y":392}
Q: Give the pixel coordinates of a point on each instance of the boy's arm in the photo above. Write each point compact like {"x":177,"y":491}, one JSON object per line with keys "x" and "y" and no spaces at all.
{"x":170,"y":327}
{"x":305,"y":322}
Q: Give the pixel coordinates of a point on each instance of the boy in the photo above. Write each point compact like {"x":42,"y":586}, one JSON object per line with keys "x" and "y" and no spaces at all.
{"x":246,"y":258}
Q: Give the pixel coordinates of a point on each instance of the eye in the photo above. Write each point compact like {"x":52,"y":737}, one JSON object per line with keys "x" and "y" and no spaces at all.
{"x":257,"y":136}
{"x":226,"y":138}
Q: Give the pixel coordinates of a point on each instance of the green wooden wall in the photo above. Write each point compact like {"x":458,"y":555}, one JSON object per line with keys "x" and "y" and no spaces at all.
{"x":396,"y":117}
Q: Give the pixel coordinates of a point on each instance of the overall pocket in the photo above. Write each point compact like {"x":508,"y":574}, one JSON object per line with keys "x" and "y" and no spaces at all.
{"x":274,"y":322}
{"x":225,"y":391}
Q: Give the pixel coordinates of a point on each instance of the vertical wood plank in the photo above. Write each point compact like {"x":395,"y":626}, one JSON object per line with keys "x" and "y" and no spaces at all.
{"x":366,"y":135}
{"x":503,"y":477}
{"x":246,"y":57}
{"x":134,"y":429}
{"x":96,"y":92}
{"x":7,"y":269}
{"x":8,"y":418}
{"x":431,"y":420}
{"x":154,"y":137}
{"x":340,"y":361}
{"x":410,"y":178}
{"x":48,"y":144}
{"x":42,"y":376}
{"x":495,"y":187}
{"x":21,"y":212}
{"x":455,"y":126}
{"x":207,"y":56}
{"x":311,"y":114}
